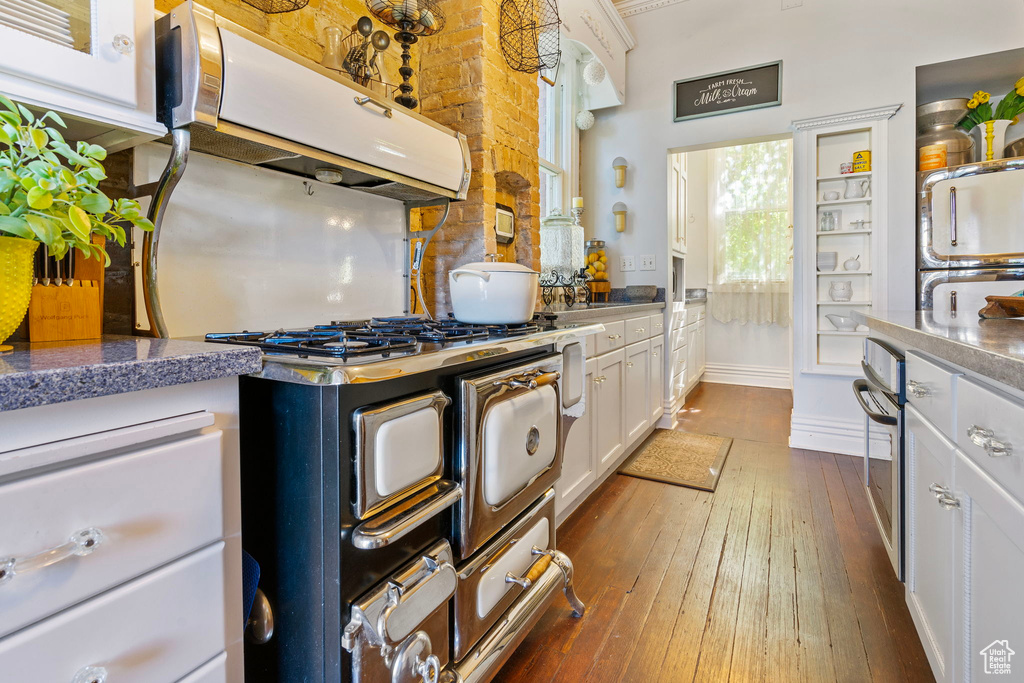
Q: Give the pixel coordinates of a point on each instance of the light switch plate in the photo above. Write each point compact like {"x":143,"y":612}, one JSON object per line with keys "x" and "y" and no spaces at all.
{"x":646,"y":261}
{"x":627,"y":264}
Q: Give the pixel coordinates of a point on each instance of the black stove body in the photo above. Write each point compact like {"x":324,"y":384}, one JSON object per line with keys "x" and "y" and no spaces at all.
{"x":312,"y":520}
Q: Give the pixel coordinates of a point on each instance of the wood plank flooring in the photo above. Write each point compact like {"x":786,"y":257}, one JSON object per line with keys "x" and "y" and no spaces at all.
{"x":780,"y":575}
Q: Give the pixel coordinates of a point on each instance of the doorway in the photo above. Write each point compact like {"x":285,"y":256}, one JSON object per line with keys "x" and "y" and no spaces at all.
{"x":731,"y":233}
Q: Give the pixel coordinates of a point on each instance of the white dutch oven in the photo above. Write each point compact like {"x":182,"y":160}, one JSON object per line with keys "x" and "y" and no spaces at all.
{"x":493,"y":293}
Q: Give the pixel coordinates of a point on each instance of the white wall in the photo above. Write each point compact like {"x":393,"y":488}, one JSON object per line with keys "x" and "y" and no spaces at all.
{"x":838,"y":57}
{"x":248,"y":248}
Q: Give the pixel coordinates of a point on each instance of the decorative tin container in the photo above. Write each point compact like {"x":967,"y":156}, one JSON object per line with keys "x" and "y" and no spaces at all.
{"x":862,"y":161}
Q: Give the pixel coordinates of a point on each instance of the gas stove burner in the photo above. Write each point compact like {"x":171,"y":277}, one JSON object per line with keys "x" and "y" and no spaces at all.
{"x":512,"y":330}
{"x":321,"y":341}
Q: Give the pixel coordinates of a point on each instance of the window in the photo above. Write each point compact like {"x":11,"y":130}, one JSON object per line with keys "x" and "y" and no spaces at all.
{"x":558,"y":137}
{"x":751,"y":243}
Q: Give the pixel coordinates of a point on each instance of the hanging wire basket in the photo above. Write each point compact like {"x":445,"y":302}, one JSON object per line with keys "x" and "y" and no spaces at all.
{"x":529,"y":35}
{"x":277,"y":6}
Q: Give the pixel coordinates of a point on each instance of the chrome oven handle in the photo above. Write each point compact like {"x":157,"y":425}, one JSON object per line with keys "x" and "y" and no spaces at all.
{"x":399,"y":520}
{"x":385,"y":109}
{"x":406,"y":662}
{"x":860,"y":386}
{"x":397,"y":593}
{"x":534,"y":572}
{"x":528,"y":380}
{"x":952,"y":216}
{"x":79,"y":544}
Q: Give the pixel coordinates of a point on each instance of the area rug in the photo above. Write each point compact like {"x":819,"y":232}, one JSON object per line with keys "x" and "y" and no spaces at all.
{"x":680,"y":458}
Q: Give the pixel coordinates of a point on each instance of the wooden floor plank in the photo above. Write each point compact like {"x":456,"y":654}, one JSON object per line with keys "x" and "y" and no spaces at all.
{"x":779,"y":575}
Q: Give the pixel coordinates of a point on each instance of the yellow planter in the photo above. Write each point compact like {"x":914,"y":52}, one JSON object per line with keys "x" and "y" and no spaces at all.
{"x":15,"y":283}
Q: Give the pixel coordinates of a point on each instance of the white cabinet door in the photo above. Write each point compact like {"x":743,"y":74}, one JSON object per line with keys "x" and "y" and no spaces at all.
{"x":579,"y":464}
{"x":988,"y":209}
{"x":657,"y":384}
{"x":929,"y":527}
{"x":638,"y":372}
{"x":692,"y":352}
{"x":701,"y":349}
{"x":990,"y":563}
{"x":83,"y":46}
{"x":610,"y":418}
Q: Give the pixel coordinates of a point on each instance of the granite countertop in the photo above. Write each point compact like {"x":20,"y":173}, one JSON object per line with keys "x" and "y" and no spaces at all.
{"x":55,"y":372}
{"x":579,"y":313}
{"x":992,"y":348}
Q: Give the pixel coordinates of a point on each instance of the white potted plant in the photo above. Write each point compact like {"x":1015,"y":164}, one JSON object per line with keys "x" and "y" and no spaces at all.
{"x":49,"y":194}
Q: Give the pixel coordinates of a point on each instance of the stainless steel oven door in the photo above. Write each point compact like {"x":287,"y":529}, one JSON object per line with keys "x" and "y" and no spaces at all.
{"x":399,"y":449}
{"x":510,"y":452}
{"x":399,"y":630}
{"x":883,"y":466}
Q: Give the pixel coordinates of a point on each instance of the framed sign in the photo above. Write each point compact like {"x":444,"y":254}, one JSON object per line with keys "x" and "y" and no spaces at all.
{"x":729,"y":91}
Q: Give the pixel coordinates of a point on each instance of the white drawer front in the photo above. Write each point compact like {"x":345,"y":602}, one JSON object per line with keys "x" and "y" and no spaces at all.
{"x":656,"y":325}
{"x":678,"y":318}
{"x":155,"y":629}
{"x":151,"y":506}
{"x":931,"y":388}
{"x":678,"y":361}
{"x":517,"y":560}
{"x":214,"y":671}
{"x":636,"y":329}
{"x":612,"y":338}
{"x":591,"y":345}
{"x":990,"y":430}
{"x":679,"y":338}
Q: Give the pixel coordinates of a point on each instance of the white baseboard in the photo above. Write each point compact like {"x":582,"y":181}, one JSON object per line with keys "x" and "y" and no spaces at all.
{"x":769,"y":376}
{"x":833,"y":435}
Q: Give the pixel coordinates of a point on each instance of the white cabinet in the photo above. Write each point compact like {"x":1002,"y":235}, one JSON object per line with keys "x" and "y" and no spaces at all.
{"x":701,"y":349}
{"x":656,"y":390}
{"x":579,"y":458}
{"x":609,"y":417}
{"x":638,"y":372}
{"x":91,"y":59}
{"x":990,"y":561}
{"x":929,"y":528}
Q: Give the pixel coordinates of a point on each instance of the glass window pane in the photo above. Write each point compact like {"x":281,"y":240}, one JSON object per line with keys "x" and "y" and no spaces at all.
{"x":64,"y":22}
{"x":550,"y":191}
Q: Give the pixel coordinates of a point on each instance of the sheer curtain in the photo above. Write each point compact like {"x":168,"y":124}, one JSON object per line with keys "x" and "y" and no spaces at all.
{"x":749,"y":233}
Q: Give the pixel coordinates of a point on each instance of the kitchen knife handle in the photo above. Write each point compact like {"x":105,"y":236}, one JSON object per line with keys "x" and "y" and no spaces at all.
{"x":952,"y":216}
{"x":363,"y":101}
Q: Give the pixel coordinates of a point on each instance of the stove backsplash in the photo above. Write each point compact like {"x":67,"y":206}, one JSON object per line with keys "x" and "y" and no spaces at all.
{"x":248,"y":248}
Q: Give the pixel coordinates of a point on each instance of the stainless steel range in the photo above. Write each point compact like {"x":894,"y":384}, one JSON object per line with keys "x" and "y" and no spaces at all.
{"x":397,"y":494}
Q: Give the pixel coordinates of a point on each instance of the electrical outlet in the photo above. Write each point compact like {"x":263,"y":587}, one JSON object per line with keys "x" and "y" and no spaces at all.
{"x":647,"y":262}
{"x":627,"y":264}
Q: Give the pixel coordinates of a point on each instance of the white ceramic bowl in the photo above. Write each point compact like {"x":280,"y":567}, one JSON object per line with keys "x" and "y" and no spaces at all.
{"x":493,"y":293}
{"x":843,"y":323}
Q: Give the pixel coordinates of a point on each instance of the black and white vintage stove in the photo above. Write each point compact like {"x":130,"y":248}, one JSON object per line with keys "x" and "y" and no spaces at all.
{"x":397,"y":494}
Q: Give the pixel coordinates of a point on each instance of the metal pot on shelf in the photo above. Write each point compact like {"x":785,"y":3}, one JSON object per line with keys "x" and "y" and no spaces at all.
{"x":936,"y":129}
{"x":493,"y":292}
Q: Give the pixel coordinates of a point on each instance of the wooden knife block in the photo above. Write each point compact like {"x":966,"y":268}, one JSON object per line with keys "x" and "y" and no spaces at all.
{"x":65,"y":313}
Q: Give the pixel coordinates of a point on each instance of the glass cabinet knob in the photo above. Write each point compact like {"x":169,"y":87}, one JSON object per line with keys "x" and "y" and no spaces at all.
{"x":123,"y":45}
{"x":90,"y":674}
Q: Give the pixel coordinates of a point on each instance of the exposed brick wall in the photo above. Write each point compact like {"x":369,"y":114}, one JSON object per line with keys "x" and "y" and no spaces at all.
{"x":467,"y":86}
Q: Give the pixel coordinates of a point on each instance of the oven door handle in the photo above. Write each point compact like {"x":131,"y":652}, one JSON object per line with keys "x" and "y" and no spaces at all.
{"x":860,"y":386}
{"x":401,"y":519}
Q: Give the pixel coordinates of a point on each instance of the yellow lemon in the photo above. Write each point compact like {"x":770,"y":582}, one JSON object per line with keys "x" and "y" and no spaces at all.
{"x":598,"y":266}
{"x":600,"y":252}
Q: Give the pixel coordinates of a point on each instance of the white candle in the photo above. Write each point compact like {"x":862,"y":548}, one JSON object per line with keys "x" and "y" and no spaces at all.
{"x":577,"y":202}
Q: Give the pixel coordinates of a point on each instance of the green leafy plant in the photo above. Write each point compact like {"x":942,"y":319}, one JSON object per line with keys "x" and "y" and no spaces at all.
{"x":49,"y":190}
{"x":979,"y":110}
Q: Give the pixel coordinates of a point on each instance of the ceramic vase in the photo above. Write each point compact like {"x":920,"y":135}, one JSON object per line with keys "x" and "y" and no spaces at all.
{"x":841,"y":290}
{"x":15,"y":284}
{"x":993,"y":138}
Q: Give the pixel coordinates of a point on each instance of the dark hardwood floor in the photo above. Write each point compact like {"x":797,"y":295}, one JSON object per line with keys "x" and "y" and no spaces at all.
{"x":778,"y":576}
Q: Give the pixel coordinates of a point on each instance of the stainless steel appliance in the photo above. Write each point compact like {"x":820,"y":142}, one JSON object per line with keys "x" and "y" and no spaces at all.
{"x":970,"y":244}
{"x":355,"y":439}
{"x":882,"y":396}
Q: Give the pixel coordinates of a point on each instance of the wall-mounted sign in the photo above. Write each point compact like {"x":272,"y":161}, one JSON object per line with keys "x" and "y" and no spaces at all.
{"x":729,"y":91}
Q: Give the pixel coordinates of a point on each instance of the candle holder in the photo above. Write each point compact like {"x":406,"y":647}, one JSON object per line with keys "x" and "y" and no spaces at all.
{"x":413,"y":19}
{"x":577,"y":212}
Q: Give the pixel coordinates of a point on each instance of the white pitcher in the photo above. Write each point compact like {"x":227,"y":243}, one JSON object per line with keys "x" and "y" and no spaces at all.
{"x":856,"y":188}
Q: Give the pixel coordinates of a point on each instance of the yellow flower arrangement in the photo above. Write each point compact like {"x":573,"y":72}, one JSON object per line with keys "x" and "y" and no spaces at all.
{"x":979,"y":110}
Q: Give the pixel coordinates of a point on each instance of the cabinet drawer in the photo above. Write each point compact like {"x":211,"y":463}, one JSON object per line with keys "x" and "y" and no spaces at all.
{"x":679,"y":338}
{"x":678,"y":318}
{"x":149,"y":506}
{"x":656,"y":325}
{"x":612,"y":338}
{"x":214,"y":671}
{"x":931,"y":388}
{"x":990,"y":430}
{"x":155,"y":629}
{"x":678,"y":360}
{"x":636,"y":329}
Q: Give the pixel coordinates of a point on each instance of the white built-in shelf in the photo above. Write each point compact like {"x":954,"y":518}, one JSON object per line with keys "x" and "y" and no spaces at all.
{"x":828,"y":178}
{"x":838,"y":333}
{"x":844,"y":303}
{"x":834,"y":273}
{"x":862,"y":231}
{"x":840,"y":202}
